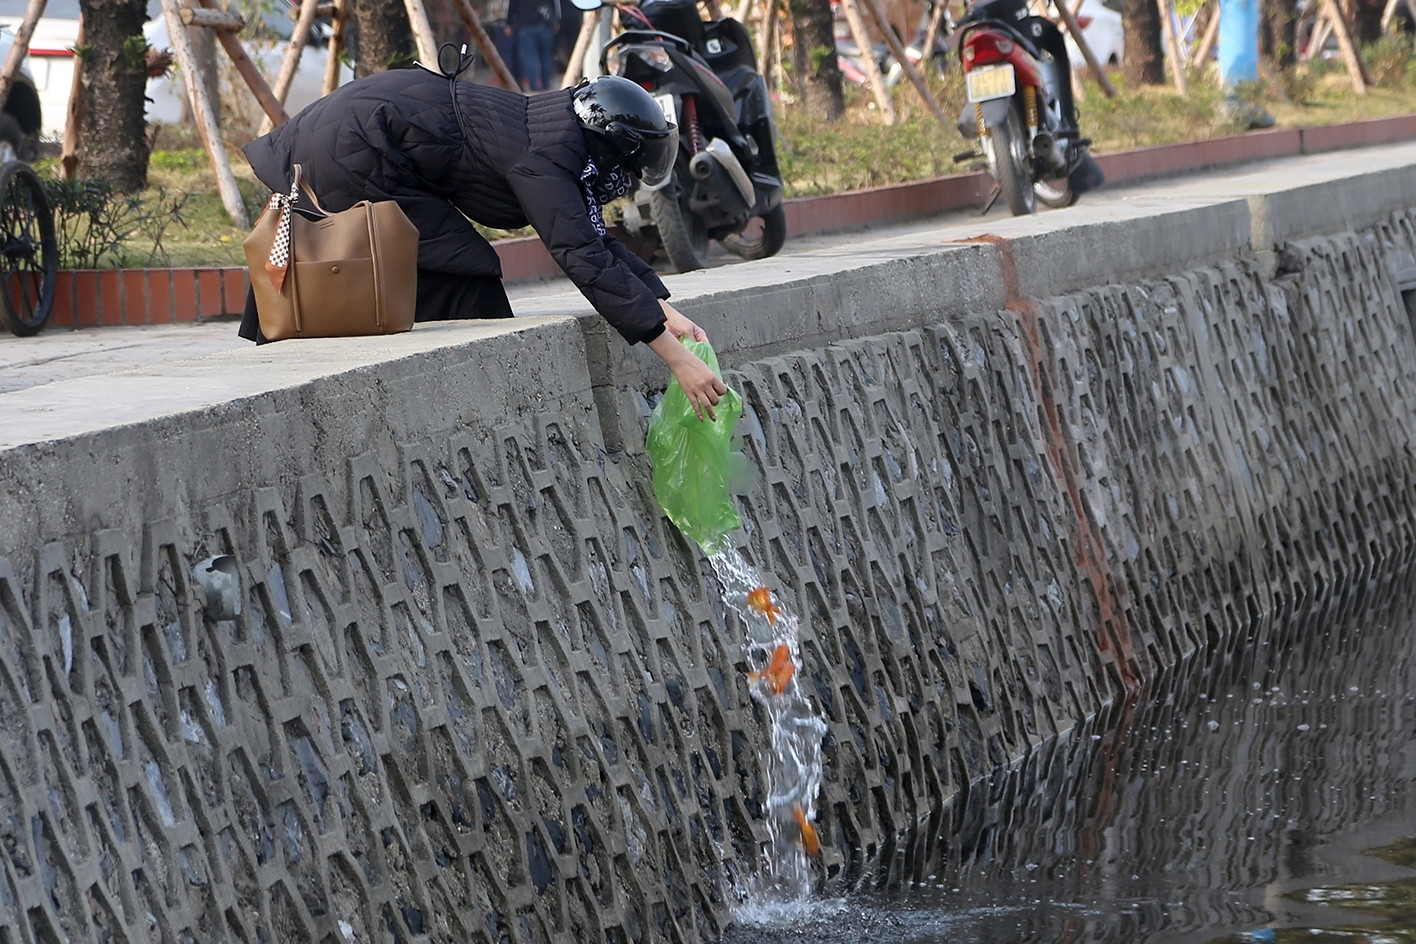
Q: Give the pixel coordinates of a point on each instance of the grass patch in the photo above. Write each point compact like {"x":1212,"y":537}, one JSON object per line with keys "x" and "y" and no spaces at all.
{"x":859,"y":151}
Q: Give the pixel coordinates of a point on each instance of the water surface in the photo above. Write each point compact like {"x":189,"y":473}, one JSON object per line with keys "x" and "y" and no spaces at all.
{"x":1236,"y":798}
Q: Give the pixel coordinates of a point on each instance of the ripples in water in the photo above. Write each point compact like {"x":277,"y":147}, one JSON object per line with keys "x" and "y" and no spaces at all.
{"x":1213,"y":806}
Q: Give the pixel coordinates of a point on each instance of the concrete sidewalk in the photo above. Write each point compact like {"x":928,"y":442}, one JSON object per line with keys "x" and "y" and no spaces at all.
{"x":59,"y":355}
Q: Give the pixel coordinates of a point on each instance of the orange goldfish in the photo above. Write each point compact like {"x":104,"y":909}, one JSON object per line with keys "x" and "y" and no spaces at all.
{"x":809,"y":843}
{"x":761,"y":601}
{"x":778,"y":672}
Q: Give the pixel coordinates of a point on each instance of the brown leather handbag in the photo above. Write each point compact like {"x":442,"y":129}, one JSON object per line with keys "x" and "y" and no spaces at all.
{"x":339,"y":275}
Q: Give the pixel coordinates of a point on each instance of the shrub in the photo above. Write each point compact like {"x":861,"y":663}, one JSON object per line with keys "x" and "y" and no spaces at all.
{"x":97,"y":226}
{"x":1387,"y":59}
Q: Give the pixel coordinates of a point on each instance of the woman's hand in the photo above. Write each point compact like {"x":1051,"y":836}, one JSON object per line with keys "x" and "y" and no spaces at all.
{"x":703,"y":387}
{"x":679,"y":326}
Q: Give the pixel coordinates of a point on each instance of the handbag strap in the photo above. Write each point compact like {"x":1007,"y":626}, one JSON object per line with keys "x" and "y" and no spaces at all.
{"x":373,"y":228}
{"x":281,"y":250}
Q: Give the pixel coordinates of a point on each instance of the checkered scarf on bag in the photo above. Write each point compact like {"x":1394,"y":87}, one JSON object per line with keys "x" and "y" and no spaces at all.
{"x":279,"y":262}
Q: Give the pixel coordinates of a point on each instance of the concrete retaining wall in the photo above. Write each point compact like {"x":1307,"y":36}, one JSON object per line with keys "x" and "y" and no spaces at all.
{"x":480,"y":691}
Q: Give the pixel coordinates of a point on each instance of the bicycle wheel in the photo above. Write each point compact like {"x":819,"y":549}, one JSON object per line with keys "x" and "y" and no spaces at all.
{"x":29,"y":253}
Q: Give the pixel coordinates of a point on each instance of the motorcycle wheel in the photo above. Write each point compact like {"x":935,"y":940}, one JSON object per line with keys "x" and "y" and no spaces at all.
{"x":1054,"y":193}
{"x":1014,"y":169}
{"x":766,"y":243}
{"x":682,"y":234}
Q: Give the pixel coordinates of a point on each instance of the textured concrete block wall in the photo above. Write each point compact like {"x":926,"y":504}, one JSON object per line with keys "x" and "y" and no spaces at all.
{"x":480,"y":691}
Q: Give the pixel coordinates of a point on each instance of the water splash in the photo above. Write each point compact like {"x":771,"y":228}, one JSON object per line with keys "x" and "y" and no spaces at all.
{"x":796,"y":729}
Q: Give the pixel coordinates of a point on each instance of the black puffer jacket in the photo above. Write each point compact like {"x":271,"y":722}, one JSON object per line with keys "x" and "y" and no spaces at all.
{"x":395,"y":136}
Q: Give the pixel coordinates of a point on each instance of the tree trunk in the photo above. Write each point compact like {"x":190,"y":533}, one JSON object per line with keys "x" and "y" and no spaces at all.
{"x":1144,"y":61}
{"x":818,"y":77}
{"x":204,"y":45}
{"x":383,"y":38}
{"x":1367,"y":20}
{"x":1278,"y":34}
{"x":113,"y":136}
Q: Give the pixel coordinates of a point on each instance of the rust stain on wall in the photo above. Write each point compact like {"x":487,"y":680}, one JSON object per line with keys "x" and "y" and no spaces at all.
{"x":1090,"y":557}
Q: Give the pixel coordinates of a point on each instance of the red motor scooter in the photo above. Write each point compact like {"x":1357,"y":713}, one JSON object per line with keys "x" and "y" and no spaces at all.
{"x":1020,"y":107}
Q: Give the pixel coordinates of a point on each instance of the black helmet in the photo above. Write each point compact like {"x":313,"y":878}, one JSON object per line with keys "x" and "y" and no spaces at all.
{"x":624,"y":124}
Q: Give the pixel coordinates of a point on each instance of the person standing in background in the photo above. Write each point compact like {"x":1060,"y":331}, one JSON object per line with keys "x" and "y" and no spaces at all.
{"x":495,"y":23}
{"x":534,"y":24}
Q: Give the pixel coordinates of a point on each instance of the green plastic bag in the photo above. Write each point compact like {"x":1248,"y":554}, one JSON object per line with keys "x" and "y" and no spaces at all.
{"x":698,"y":464}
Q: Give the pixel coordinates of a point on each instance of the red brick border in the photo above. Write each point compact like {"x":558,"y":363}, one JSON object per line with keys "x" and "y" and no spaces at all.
{"x":86,"y":297}
{"x":165,"y":296}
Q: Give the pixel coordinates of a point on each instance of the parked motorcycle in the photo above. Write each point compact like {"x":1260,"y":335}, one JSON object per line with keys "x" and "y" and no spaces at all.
{"x":704,"y":75}
{"x":1020,"y":107}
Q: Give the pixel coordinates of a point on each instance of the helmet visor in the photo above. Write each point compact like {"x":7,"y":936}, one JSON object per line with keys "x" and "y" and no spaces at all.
{"x":655,"y":160}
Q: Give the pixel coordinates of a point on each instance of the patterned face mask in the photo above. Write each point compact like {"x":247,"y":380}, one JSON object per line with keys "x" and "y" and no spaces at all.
{"x":601,"y":188}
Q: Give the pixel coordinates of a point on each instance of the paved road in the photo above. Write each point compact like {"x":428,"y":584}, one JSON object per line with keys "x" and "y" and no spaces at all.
{"x":57,"y":355}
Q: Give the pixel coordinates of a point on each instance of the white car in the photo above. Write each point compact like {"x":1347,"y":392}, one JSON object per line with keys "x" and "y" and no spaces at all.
{"x":51,"y":63}
{"x":1101,"y":27}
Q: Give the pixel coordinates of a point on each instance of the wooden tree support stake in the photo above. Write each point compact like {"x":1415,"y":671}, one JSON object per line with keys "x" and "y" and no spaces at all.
{"x":218,"y":20}
{"x":69,"y":157}
{"x":931,"y":32}
{"x":299,"y":36}
{"x":898,"y":50}
{"x":1390,"y":11}
{"x":771,"y":25}
{"x":1172,"y":47}
{"x":779,"y":71}
{"x":1355,"y":67}
{"x":338,"y":14}
{"x":1070,"y":21}
{"x":1206,"y":46}
{"x":206,"y":118}
{"x":485,"y":46}
{"x":867,"y":61}
{"x":256,"y":82}
{"x":1321,"y":30}
{"x":763,"y":37}
{"x":422,"y":32}
{"x":294,"y":49}
{"x":20,"y":49}
{"x":575,"y":68}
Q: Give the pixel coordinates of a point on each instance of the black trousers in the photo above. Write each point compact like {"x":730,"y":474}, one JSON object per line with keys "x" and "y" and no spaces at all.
{"x":441,"y":297}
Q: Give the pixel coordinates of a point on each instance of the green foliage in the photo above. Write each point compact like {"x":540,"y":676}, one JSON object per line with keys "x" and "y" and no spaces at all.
{"x":183,"y":159}
{"x":135,"y":50}
{"x":1150,"y":115}
{"x":1388,"y":59}
{"x":819,"y":56}
{"x":857,"y":151}
{"x":1299,"y":84}
{"x":258,"y":14}
{"x":97,"y":226}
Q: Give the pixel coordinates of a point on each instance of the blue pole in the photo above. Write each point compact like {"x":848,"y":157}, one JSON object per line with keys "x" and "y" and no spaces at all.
{"x":1238,"y":41}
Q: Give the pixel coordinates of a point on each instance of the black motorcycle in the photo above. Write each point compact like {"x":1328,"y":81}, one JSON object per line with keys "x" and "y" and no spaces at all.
{"x":704,"y":75}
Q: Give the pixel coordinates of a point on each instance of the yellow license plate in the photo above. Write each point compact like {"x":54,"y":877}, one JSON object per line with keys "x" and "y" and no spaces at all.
{"x":991,"y":82}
